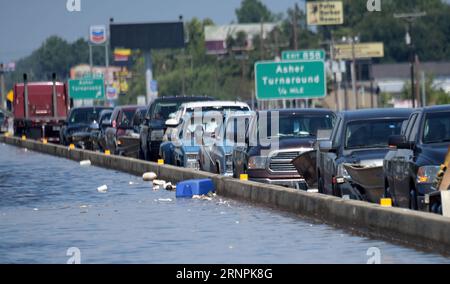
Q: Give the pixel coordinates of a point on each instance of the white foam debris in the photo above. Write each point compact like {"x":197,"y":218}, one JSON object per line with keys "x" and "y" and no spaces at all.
{"x":165,"y":199}
{"x":237,"y":222}
{"x":85,"y":163}
{"x":103,"y":188}
{"x":83,"y":206}
{"x":149,"y":176}
{"x":201,"y":197}
{"x":35,"y":209}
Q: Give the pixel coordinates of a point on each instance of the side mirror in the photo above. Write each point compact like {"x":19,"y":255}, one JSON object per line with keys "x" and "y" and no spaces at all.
{"x":172,"y":122}
{"x":94,"y":126}
{"x":106,"y":123}
{"x":326,"y":146}
{"x":399,"y":141}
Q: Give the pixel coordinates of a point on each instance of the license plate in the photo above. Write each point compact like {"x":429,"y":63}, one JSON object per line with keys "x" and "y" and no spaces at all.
{"x":56,"y":128}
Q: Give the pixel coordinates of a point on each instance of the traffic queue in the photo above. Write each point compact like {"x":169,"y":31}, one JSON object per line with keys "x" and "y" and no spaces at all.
{"x":368,"y":154}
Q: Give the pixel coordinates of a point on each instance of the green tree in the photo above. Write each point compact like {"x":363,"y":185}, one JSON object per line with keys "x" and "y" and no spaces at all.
{"x":253,"y":11}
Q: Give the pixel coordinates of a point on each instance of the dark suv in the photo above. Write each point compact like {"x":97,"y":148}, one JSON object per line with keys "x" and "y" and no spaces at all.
{"x":78,"y":125}
{"x":359,"y":138}
{"x":153,"y":127}
{"x":274,"y":139}
{"x":411,"y":166}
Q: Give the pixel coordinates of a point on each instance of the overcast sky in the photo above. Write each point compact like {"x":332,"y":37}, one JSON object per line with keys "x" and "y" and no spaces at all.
{"x":25,"y":24}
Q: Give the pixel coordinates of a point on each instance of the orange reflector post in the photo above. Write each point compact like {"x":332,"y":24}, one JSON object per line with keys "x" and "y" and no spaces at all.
{"x":386,"y":202}
{"x":244,"y":177}
{"x":44,"y":141}
{"x":72,"y":146}
{"x":160,"y":162}
{"x":24,"y":137}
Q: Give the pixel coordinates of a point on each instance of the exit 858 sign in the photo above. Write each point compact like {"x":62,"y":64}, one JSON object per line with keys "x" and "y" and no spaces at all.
{"x":290,"y":80}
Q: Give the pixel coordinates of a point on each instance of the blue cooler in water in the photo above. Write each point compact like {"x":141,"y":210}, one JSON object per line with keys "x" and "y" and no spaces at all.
{"x":188,"y":188}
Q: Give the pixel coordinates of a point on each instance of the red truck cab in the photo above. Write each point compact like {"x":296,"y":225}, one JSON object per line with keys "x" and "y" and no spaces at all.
{"x":40,"y":109}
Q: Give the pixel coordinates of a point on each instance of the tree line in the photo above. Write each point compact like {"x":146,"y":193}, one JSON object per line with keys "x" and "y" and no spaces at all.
{"x":192,"y":72}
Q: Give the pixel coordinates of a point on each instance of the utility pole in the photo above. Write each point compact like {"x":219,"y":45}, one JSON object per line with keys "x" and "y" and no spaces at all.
{"x":353,"y":73}
{"x":294,"y":27}
{"x":2,"y":86}
{"x":410,"y":19}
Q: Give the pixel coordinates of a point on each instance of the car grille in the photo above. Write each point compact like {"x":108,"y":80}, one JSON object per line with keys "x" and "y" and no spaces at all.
{"x":282,"y":161}
{"x":154,"y":147}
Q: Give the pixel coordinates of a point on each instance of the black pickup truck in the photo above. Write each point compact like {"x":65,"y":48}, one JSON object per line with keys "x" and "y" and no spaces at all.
{"x":153,"y":126}
{"x":359,"y":140}
{"x":411,"y":166}
{"x":274,"y":139}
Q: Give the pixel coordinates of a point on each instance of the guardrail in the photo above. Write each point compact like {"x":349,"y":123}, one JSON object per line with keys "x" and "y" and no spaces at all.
{"x":417,"y":229}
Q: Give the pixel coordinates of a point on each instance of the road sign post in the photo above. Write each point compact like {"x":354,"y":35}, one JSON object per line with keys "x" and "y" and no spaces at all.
{"x":290,"y":80}
{"x":87,"y":89}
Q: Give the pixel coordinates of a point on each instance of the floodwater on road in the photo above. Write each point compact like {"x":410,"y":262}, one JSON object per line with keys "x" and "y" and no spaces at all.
{"x":48,"y":205}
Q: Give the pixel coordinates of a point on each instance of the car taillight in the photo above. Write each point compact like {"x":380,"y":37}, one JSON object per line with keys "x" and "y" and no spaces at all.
{"x":114,"y":124}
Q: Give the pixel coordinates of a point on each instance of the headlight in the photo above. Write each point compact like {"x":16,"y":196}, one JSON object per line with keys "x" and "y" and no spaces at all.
{"x":229,"y":163}
{"x":192,"y":156}
{"x":157,"y":135}
{"x":427,"y":174}
{"x":257,"y":162}
{"x":342,"y":172}
{"x":192,"y":161}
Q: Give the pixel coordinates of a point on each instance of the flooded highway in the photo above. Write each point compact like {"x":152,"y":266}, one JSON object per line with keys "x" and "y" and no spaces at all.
{"x":48,"y":205}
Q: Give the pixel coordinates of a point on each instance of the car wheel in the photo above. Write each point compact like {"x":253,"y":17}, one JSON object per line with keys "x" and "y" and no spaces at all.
{"x":320,"y":185}
{"x":218,"y":169}
{"x":413,"y":198}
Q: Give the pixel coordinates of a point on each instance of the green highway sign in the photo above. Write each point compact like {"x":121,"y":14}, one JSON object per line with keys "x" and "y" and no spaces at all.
{"x":290,"y":80}
{"x":87,"y":88}
{"x":303,"y":55}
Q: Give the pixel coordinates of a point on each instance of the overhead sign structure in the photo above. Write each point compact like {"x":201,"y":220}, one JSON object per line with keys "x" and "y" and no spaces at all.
{"x":87,"y":89}
{"x":97,"y":34}
{"x":322,"y":13}
{"x":147,"y":36}
{"x":290,"y":80}
{"x":362,"y":50}
{"x":303,"y":55}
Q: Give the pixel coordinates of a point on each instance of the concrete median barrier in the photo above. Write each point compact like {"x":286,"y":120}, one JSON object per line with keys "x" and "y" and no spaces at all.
{"x":417,"y":229}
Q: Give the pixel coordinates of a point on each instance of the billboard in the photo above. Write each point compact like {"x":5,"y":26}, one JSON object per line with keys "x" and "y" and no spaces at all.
{"x":216,"y":36}
{"x":362,"y":50}
{"x":323,"y":13}
{"x":147,"y":36}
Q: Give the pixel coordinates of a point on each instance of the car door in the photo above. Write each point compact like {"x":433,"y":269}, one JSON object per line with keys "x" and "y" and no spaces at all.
{"x":402,"y":158}
{"x":110,"y":130}
{"x":328,"y":159}
{"x":143,"y":130}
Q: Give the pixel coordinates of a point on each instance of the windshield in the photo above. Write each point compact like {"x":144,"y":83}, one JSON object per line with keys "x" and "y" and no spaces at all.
{"x":298,"y":125}
{"x":85,"y":115}
{"x":437,"y":128}
{"x":162,"y":110}
{"x":371,"y":133}
{"x":127,"y":117}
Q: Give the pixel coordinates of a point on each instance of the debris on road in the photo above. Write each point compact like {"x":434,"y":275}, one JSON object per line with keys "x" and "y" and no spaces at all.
{"x":149,"y":176}
{"x":102,"y":189}
{"x":85,"y":163}
{"x":189,"y":188}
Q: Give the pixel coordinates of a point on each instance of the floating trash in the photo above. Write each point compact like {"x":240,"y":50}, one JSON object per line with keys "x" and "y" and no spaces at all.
{"x":164,"y":199}
{"x":103,"y":188}
{"x":85,"y":163}
{"x":202,"y":197}
{"x":35,"y":209}
{"x":149,"y":176}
